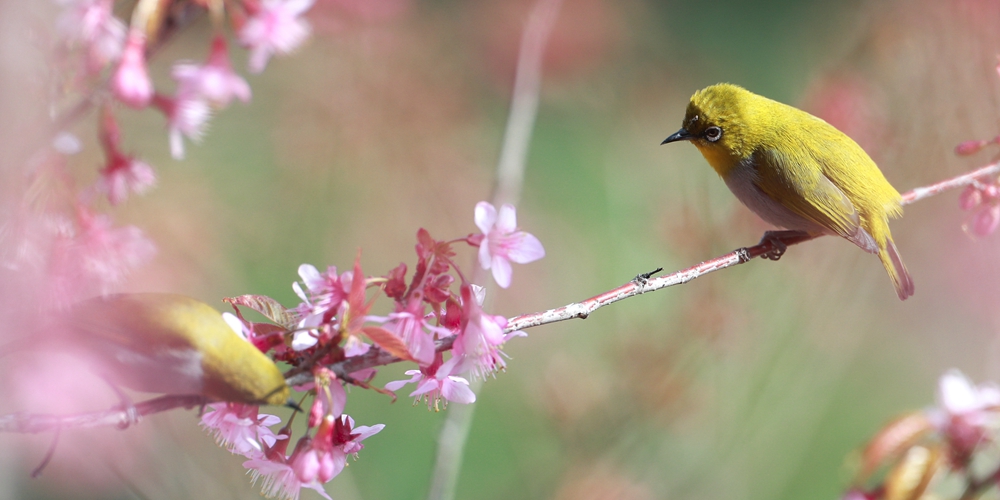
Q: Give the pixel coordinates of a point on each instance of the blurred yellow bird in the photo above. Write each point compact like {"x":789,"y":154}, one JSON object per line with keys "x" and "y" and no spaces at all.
{"x":795,"y":170}
{"x":172,"y":344}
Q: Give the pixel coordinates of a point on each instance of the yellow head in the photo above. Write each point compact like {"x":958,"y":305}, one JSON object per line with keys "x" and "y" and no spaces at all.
{"x":726,"y":122}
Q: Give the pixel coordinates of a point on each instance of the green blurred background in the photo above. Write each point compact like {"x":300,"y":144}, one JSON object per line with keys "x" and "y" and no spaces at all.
{"x":757,"y":382}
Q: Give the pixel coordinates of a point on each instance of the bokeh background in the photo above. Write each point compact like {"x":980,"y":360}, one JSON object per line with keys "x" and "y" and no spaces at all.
{"x":758,"y":382}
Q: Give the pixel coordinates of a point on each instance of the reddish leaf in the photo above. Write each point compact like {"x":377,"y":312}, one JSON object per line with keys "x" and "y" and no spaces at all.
{"x":395,"y":285}
{"x":440,"y":265}
{"x":437,"y":290}
{"x":444,"y":250}
{"x":270,"y":308}
{"x":388,"y":341}
{"x":425,"y":244}
{"x":356,"y":306}
{"x":892,"y":442}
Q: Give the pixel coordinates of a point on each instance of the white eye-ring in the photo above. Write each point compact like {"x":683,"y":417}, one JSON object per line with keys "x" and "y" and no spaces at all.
{"x":713,"y":133}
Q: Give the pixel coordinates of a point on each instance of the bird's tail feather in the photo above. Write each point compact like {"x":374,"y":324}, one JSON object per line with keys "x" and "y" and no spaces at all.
{"x":897,"y":271}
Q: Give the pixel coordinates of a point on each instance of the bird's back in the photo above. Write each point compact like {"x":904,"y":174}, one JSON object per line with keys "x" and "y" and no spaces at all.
{"x":816,"y":144}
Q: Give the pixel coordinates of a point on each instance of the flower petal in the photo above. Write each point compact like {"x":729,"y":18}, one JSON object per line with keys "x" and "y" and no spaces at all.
{"x":486,"y":216}
{"x":456,"y":390}
{"x":309,"y":273}
{"x":957,"y":394}
{"x":485,"y":257}
{"x":507,"y":221}
{"x":501,"y":271}
{"x":526,"y":249}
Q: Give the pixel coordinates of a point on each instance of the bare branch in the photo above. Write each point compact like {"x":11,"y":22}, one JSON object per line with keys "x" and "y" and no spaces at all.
{"x":583,"y":309}
{"x":33,"y":423}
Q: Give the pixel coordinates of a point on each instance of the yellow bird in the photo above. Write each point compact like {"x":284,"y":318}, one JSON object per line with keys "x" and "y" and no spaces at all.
{"x":795,"y":170}
{"x":171,"y":344}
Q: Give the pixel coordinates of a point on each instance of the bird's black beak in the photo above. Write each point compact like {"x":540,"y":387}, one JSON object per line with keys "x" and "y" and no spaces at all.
{"x":680,"y":135}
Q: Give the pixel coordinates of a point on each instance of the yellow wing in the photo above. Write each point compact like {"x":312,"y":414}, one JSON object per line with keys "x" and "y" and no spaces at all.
{"x":798,"y":182}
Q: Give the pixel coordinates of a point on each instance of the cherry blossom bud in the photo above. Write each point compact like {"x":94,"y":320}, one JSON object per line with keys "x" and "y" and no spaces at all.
{"x":131,"y":83}
{"x":990,"y":192}
{"x":970,"y":198}
{"x":969,"y":147}
{"x":986,"y":220}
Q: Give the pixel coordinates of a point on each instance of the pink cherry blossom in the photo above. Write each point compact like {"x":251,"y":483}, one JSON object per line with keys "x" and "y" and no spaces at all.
{"x":348,"y":437}
{"x":279,"y":478}
{"x":965,"y":412}
{"x":354,"y":346}
{"x":187,"y":115}
{"x":318,"y":462}
{"x":330,"y":397}
{"x":275,"y":28}
{"x":92,"y":24}
{"x":214,"y":81}
{"x":130,"y":83}
{"x":503,"y":243}
{"x":123,"y":175}
{"x":435,"y":384}
{"x":414,"y":328}
{"x":322,"y":300}
{"x":477,"y":346}
{"x":239,"y":428}
{"x":315,"y":461}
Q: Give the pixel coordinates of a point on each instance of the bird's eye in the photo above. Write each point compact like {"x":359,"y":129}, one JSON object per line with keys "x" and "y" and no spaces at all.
{"x":713,"y":133}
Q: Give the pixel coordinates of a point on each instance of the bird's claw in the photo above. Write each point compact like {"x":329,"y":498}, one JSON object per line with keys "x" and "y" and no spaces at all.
{"x":773,"y":238}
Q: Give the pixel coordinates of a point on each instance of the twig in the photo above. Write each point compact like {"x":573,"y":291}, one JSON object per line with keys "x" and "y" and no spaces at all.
{"x":524,"y":101}
{"x":34,"y":423}
{"x":509,"y":181}
{"x":584,"y":308}
{"x":917,"y":194}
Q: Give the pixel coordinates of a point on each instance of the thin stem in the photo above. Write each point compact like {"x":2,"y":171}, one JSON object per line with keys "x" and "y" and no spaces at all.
{"x":524,"y":101}
{"x":34,"y":423}
{"x":510,"y":178}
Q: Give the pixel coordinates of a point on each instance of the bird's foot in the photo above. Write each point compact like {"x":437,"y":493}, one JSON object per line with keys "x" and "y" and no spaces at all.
{"x":776,"y":239}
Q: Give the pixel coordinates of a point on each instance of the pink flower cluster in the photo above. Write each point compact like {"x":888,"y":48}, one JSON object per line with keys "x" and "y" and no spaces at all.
{"x":966,"y":416}
{"x":434,"y":309}
{"x":265,"y":28}
{"x":102,"y":60}
{"x":921,"y":452}
{"x":983,"y":199}
{"x":314,"y":461}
